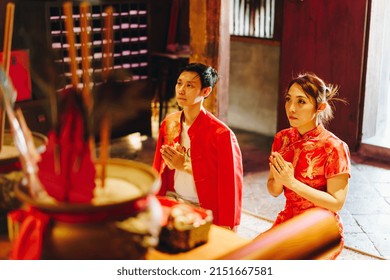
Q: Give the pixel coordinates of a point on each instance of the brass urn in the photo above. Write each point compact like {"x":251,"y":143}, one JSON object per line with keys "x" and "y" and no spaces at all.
{"x":114,"y":228}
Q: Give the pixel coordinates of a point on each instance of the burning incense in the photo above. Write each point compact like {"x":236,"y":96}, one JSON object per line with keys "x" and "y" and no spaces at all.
{"x":105,"y":132}
{"x":105,"y":126}
{"x":85,"y":63}
{"x":67,"y":7}
{"x":85,"y":53}
{"x":8,"y":30}
{"x":108,"y":40}
{"x":9,"y":26}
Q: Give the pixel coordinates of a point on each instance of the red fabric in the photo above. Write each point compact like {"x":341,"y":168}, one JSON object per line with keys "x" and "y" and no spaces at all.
{"x":76,"y":180}
{"x":316,"y":156}
{"x":28,"y":244}
{"x":19,"y":71}
{"x":216,"y":164}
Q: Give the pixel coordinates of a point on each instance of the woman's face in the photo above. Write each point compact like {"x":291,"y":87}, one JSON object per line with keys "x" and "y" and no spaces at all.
{"x":189,"y":89}
{"x":300,"y":109}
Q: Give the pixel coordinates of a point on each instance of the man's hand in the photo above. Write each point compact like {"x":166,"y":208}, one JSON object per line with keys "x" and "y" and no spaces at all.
{"x":173,"y":156}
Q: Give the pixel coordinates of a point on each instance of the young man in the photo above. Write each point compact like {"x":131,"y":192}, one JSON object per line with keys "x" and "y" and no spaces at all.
{"x":197,"y":155}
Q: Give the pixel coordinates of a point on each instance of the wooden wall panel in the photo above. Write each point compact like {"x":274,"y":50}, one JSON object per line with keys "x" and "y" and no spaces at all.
{"x":326,"y":37}
{"x":210,"y":44}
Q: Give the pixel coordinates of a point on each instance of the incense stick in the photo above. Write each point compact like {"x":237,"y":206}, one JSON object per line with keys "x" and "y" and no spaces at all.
{"x":85,"y":64}
{"x":105,"y":126}
{"x":85,"y":53}
{"x":108,"y":39}
{"x":9,"y":25}
{"x":67,"y":7}
{"x":105,"y":132}
{"x":70,"y":38}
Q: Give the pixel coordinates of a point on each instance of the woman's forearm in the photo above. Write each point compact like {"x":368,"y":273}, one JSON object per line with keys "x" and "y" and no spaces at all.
{"x":317,"y":197}
{"x":274,"y":188}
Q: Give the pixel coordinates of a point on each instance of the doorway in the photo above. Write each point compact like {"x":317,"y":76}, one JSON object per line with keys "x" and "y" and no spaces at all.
{"x":376,"y":117}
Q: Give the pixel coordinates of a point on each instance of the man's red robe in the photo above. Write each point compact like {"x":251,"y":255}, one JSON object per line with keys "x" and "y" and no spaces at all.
{"x":216,"y":164}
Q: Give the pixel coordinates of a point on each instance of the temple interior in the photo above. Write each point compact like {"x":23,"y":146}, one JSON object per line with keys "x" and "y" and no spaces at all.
{"x":256,"y":46}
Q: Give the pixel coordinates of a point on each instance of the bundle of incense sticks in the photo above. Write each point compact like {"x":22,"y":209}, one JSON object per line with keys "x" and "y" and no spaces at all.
{"x":85,"y":53}
{"x":105,"y":129}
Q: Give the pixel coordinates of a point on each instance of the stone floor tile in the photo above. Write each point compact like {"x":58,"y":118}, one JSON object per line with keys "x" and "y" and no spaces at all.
{"x":361,"y":242}
{"x":349,"y":222}
{"x":361,"y":206}
{"x":383,"y":188}
{"x":382,"y":242}
{"x":372,"y":224}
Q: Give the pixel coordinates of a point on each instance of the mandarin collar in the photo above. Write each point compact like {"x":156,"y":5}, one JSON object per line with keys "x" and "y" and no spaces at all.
{"x":311,"y":133}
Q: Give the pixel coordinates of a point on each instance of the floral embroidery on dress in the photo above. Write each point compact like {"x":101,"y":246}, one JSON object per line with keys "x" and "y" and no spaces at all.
{"x":312,"y":164}
{"x":285,"y":141}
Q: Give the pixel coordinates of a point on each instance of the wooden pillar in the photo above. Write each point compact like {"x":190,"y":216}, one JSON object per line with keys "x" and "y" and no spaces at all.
{"x":210,"y":44}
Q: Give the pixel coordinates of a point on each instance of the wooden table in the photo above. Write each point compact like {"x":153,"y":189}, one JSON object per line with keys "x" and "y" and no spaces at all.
{"x":221,"y":241}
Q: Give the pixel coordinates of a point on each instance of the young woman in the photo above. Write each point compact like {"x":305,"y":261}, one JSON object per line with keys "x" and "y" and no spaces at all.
{"x":308,"y":163}
{"x":197,"y":155}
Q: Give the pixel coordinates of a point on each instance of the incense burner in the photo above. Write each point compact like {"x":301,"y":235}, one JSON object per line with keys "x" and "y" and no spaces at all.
{"x":120,"y":228}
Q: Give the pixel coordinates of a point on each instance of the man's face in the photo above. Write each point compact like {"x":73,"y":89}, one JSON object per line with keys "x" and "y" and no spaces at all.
{"x":189,"y":89}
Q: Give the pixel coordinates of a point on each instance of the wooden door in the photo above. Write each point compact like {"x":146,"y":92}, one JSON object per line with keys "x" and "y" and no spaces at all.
{"x":326,"y":37}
